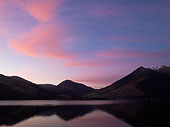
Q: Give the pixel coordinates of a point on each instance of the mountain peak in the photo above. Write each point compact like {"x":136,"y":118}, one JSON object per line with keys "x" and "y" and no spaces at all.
{"x":67,"y":80}
{"x":69,"y":87}
{"x":68,"y":83}
{"x":141,"y":68}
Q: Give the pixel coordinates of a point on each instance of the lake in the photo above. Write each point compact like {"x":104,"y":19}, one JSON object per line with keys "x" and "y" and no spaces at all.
{"x":84,"y":114}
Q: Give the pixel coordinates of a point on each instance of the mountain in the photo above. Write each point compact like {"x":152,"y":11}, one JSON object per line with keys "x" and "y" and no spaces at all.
{"x":141,"y":83}
{"x":16,"y":88}
{"x":49,"y":87}
{"x":164,"y":69}
{"x":69,"y":89}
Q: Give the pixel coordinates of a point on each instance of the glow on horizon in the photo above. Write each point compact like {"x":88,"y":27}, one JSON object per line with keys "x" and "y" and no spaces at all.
{"x":95,"y":42}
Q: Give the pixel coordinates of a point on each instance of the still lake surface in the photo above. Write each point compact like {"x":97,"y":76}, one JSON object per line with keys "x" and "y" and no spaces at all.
{"x":84,"y":114}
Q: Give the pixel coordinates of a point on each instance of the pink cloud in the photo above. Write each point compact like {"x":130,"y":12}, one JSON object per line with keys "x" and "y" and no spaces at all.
{"x":98,"y":81}
{"x":2,"y":2}
{"x":4,"y":32}
{"x":88,"y":63}
{"x":93,"y":63}
{"x":96,"y":61}
{"x":113,"y":57}
{"x":127,"y":53}
{"x":42,"y":10}
{"x":42,"y":41}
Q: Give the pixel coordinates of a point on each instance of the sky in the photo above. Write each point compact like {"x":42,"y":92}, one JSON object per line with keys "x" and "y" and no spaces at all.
{"x":95,"y":42}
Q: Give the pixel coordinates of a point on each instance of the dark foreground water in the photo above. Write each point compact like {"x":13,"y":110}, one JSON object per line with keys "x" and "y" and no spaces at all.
{"x":84,"y":114}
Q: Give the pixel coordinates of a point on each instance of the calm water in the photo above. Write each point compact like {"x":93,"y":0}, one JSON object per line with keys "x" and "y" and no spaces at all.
{"x":84,"y":114}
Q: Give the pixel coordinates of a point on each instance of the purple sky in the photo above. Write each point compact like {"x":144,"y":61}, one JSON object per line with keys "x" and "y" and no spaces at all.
{"x":91,"y":41}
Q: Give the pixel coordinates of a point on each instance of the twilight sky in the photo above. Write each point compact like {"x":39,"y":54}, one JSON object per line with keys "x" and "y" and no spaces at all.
{"x":91,"y":41}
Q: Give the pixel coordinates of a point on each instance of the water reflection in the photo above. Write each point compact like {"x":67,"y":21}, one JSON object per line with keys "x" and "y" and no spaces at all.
{"x":118,"y":115}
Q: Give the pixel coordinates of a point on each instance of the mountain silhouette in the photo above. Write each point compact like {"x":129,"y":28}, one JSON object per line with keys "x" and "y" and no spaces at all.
{"x":16,"y":88}
{"x":141,"y":83}
{"x":69,"y":89}
{"x":164,"y":69}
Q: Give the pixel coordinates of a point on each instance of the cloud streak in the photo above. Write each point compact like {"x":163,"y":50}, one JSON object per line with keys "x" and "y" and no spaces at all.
{"x":45,"y":39}
{"x":42,"y":10}
{"x":42,"y":41}
{"x":2,"y":2}
{"x":118,"y":56}
{"x":99,"y":81}
{"x":131,"y":53}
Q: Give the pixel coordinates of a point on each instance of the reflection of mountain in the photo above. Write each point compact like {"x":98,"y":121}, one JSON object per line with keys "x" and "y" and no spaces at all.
{"x":11,"y":115}
{"x":136,"y":114}
{"x":140,"y":114}
{"x":72,"y":112}
{"x":67,"y":112}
